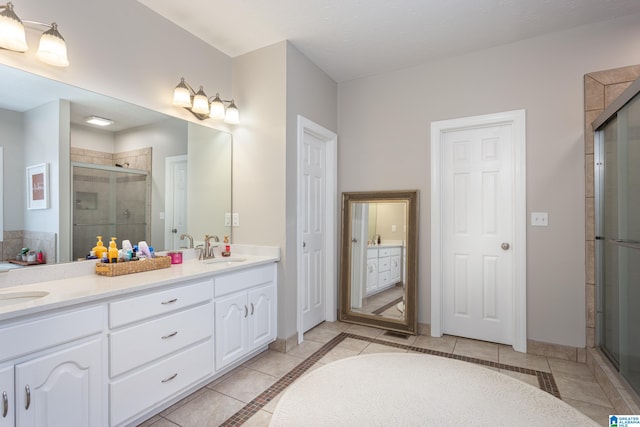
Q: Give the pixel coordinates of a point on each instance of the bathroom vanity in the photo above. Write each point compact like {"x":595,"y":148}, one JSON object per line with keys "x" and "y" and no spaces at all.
{"x":94,"y":351}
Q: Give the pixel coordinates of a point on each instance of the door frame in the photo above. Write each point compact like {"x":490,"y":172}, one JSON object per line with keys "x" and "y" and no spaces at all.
{"x":517,"y":118}
{"x":331,"y":218}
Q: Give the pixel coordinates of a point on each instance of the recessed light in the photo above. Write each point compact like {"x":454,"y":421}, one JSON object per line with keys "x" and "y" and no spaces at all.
{"x":98,"y":121}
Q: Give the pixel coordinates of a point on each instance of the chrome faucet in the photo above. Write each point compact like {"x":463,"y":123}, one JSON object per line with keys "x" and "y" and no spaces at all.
{"x":207,"y":250}
{"x":188,"y":236}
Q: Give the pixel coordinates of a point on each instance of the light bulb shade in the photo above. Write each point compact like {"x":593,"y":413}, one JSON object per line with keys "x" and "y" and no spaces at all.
{"x":53,"y":49}
{"x":200,"y":102}
{"x":12,"y":35}
{"x":233,"y":115}
{"x":182,"y":95}
{"x":217,"y":108}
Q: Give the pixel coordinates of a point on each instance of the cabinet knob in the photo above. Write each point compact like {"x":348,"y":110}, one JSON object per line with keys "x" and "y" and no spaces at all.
{"x":27,"y":392}
{"x":5,"y":404}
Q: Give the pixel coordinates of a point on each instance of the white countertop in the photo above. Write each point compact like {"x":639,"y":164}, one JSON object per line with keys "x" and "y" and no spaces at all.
{"x":81,"y":285}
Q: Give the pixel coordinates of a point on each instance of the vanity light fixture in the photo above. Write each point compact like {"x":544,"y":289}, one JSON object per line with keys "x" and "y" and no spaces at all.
{"x":98,"y":121}
{"x":52,"y":49}
{"x":203,"y":107}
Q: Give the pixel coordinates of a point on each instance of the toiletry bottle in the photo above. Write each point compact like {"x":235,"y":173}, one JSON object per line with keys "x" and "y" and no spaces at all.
{"x":113,"y":251}
{"x":99,"y":248}
{"x":227,"y":247}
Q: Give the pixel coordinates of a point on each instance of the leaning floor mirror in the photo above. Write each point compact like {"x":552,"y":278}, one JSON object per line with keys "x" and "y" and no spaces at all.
{"x":379,"y":269}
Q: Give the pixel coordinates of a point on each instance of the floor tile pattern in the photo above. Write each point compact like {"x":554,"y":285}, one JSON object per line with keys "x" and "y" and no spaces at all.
{"x":249,"y":394}
{"x":545,"y":379}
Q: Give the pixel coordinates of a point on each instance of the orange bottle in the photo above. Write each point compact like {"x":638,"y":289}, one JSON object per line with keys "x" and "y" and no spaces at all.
{"x":99,"y":248}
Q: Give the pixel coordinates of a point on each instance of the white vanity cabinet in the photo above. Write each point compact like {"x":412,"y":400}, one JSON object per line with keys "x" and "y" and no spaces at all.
{"x":245,"y":313}
{"x":55,"y":365}
{"x":160,"y":343}
{"x":384,"y":268}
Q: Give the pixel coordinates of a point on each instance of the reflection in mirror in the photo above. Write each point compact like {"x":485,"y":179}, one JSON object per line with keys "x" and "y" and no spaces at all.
{"x":43,"y":121}
{"x":379,"y":269}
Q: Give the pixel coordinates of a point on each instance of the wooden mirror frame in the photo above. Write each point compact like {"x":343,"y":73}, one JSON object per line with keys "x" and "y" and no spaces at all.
{"x":345,"y":314}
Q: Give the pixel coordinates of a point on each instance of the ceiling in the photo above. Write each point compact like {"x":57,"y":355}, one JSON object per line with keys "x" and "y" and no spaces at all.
{"x":349,"y":39}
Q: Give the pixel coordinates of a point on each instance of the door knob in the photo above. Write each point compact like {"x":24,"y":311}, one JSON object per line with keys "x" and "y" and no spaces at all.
{"x":505,"y":246}
{"x":174,"y":230}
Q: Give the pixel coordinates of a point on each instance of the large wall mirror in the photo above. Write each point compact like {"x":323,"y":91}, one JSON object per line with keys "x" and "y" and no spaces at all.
{"x":146,"y":176}
{"x":379,"y":270}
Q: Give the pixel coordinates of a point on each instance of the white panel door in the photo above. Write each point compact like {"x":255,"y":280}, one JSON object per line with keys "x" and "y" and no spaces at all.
{"x":262,"y":316}
{"x":313,"y":230}
{"x":478,"y":232}
{"x":175,"y":201}
{"x":7,"y":398}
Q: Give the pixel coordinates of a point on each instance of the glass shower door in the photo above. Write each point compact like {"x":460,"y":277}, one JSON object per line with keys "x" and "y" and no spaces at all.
{"x":108,"y":202}
{"x":618,"y":239}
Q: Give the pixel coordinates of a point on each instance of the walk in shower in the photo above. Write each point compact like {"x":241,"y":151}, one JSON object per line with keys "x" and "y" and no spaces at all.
{"x":108,"y":202}
{"x":617,"y":186}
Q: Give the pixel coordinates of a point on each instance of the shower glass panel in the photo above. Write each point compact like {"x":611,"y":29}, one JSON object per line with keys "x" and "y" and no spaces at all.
{"x":108,"y":202}
{"x":618,"y":239}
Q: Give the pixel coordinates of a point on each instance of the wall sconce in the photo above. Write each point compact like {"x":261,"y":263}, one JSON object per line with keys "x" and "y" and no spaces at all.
{"x":203,"y":107}
{"x":52,"y":49}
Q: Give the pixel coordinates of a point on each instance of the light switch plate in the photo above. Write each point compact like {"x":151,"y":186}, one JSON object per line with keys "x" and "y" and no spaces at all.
{"x":539,"y":219}
{"x":236,"y":219}
{"x":227,"y":219}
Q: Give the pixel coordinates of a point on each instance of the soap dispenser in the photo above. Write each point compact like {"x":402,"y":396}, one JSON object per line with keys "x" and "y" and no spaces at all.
{"x":113,"y":251}
{"x":99,"y":248}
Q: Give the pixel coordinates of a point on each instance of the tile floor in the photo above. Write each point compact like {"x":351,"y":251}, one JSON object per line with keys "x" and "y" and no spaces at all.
{"x":249,"y":394}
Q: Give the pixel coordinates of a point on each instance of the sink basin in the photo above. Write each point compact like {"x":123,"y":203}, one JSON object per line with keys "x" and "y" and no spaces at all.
{"x":10,"y":298}
{"x":223,"y":260}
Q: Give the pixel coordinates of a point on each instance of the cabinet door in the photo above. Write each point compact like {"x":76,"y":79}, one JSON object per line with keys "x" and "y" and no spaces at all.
{"x":7,"y":400}
{"x":395,"y":268}
{"x":231,"y":314}
{"x":262,"y":316}
{"x":62,"y":388}
{"x":372,"y":275}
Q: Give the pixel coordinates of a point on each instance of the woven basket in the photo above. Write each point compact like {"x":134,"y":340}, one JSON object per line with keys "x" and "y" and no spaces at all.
{"x":118,"y":269}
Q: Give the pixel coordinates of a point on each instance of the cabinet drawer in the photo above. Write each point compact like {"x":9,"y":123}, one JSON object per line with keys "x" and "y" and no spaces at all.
{"x":242,"y":280}
{"x":145,"y":306}
{"x":384,"y":264}
{"x":389,"y":251}
{"x":140,"y":344}
{"x":372,"y":253}
{"x":152,"y":385}
{"x":29,"y":337}
{"x":384,"y":279}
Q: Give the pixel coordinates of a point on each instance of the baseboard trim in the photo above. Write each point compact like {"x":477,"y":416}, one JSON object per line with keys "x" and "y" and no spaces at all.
{"x":622,"y":396}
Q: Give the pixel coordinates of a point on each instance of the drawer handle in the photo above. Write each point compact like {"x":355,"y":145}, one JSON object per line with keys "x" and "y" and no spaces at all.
{"x":246,"y":311}
{"x":28,"y":394}
{"x":252,"y":309}
{"x":173,"y":334}
{"x":5,"y":404}
{"x":171,"y":301}
{"x":166,"y":380}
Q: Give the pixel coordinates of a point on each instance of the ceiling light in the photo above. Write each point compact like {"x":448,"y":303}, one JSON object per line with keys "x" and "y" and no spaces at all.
{"x":52,"y":49}
{"x":203,"y":107}
{"x":98,"y":121}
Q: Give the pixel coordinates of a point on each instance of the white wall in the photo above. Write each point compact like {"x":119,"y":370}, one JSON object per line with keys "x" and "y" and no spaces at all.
{"x":11,"y":135}
{"x":264,"y":163}
{"x":166,"y":138}
{"x":384,"y":124}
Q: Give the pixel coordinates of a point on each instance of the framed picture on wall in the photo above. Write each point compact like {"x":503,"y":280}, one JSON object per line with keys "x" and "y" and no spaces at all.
{"x":38,"y":186}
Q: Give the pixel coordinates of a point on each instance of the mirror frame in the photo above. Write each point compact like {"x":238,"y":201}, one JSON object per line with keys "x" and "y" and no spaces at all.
{"x":410,"y":323}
